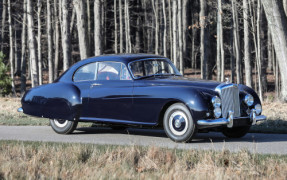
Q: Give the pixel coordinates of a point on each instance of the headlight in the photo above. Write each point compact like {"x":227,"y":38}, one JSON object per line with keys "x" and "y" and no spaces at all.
{"x":217,"y":112}
{"x":249,"y":100}
{"x":258,"y":109}
{"x":216,"y":101}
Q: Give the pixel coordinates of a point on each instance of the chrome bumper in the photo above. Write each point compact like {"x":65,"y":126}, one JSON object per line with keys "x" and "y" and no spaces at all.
{"x":20,"y":109}
{"x":229,"y":121}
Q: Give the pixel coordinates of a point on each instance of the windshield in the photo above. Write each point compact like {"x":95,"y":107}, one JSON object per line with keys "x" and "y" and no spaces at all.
{"x":147,"y":68}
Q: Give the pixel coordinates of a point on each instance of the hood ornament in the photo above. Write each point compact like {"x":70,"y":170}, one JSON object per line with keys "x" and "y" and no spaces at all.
{"x":227,"y":80}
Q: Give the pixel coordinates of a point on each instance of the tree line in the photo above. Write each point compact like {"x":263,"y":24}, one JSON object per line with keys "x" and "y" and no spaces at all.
{"x":243,"y":39}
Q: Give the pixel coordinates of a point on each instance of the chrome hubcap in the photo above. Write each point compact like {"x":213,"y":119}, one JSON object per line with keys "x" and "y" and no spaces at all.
{"x":178,"y":123}
{"x":60,"y":122}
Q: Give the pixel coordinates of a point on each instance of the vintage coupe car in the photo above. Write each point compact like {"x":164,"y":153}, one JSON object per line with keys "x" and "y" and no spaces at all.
{"x":144,"y":91}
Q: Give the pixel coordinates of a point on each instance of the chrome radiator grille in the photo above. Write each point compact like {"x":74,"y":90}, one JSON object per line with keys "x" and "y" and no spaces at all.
{"x":230,"y":100}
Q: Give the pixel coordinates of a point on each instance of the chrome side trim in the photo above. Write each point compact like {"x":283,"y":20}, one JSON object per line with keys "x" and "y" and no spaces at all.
{"x":116,"y":121}
{"x":20,"y":109}
{"x":95,"y":84}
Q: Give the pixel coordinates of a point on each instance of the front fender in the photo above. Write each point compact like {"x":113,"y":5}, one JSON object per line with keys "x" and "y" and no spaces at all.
{"x":56,"y":101}
{"x":197,"y":100}
{"x":246,"y":89}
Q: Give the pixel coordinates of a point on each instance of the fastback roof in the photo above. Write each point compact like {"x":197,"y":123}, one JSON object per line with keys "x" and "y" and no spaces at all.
{"x":125,"y":58}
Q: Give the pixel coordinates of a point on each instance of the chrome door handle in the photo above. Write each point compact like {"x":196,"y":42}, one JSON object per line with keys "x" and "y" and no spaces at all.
{"x":95,"y":84}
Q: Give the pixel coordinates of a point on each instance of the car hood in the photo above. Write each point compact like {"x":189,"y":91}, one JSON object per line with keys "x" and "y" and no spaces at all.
{"x":182,"y":81}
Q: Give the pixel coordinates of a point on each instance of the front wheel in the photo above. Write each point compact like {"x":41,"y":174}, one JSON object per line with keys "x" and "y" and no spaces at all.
{"x":236,"y":132}
{"x":178,"y":123}
{"x":62,"y":126}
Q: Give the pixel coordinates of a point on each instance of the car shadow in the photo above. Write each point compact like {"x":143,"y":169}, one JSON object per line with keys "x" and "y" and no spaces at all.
{"x":130,"y":131}
{"x":214,"y":137}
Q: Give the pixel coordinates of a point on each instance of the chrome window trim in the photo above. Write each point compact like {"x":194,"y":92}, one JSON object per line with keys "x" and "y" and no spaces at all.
{"x":96,"y":70}
{"x":122,"y":66}
{"x":83,"y":66}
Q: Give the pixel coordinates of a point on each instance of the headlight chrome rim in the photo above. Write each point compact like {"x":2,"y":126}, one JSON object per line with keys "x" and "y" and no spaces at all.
{"x":217,"y":112}
{"x":258,"y":109}
{"x":216,"y":101}
{"x":249,"y":100}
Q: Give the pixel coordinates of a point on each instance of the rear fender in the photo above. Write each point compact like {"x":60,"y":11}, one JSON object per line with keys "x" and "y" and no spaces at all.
{"x":55,"y":101}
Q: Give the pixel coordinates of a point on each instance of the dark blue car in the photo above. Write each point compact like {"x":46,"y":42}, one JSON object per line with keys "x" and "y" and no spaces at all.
{"x":144,"y":91}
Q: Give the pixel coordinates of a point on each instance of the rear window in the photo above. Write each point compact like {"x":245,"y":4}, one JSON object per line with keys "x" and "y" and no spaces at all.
{"x":86,"y":73}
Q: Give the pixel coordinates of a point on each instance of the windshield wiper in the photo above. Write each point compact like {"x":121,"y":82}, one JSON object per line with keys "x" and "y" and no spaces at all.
{"x":148,"y":76}
{"x":169,"y":74}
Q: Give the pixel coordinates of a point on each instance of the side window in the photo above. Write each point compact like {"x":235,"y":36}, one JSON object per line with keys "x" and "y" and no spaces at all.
{"x":109,"y":71}
{"x":112,"y":71}
{"x":85,"y":73}
{"x":137,"y":68}
{"x":125,"y":75}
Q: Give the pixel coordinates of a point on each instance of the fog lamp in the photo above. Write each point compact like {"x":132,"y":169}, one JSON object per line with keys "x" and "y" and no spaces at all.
{"x":258,"y":109}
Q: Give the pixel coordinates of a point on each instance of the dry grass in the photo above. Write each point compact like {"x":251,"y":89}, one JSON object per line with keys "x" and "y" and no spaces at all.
{"x":275,"y":110}
{"x":26,"y":160}
{"x":276,"y":113}
{"x":10,"y":116}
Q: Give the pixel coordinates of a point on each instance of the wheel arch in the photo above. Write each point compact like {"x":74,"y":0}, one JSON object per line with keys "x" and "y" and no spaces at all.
{"x":196,"y":102}
{"x":166,"y":106}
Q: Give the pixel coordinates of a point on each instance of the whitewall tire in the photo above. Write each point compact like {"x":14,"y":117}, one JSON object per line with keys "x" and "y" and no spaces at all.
{"x":178,"y":123}
{"x":61,"y":126}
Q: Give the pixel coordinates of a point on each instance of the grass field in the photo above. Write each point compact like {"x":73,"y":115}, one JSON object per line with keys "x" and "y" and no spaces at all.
{"x":31,"y":160}
{"x":10,"y":116}
{"x":276,"y":113}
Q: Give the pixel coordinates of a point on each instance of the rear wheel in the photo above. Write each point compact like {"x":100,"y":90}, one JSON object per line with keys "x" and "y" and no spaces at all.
{"x":178,"y":123}
{"x":236,"y":132}
{"x":62,"y":126}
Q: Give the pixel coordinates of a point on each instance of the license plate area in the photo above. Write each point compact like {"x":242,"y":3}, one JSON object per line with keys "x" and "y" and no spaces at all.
{"x":241,"y":122}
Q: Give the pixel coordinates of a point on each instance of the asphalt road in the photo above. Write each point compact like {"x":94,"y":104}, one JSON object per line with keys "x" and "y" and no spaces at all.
{"x":255,"y":143}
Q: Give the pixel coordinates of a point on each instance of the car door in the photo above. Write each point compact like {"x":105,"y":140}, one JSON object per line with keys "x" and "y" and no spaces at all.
{"x":83,"y":78}
{"x":111,"y":95}
{"x":149,"y":96}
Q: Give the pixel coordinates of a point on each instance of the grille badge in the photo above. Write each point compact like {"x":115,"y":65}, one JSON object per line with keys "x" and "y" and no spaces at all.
{"x":227,"y":80}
